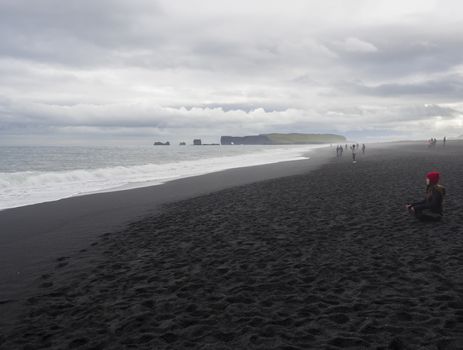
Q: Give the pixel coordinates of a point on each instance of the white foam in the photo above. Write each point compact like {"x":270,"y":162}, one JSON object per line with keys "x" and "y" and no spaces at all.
{"x":31,"y":187}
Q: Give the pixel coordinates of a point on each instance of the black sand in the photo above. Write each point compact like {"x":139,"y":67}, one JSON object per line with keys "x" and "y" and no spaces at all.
{"x":327,"y":259}
{"x":32,"y":237}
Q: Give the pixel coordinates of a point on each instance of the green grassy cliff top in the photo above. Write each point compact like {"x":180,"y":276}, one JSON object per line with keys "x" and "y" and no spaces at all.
{"x":304,"y":138}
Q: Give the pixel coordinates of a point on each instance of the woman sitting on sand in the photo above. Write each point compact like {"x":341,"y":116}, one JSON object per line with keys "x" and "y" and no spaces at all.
{"x":430,"y":209}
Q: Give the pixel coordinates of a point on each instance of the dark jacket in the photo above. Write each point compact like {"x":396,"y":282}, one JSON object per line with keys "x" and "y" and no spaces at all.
{"x":433,"y":200}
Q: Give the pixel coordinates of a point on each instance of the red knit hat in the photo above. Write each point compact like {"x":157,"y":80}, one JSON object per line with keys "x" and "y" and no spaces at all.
{"x":433,"y":177}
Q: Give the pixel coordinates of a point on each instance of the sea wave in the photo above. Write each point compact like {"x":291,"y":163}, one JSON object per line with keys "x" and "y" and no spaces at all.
{"x":31,"y":187}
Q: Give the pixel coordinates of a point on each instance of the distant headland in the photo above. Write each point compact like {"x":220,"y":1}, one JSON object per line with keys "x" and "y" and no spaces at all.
{"x":282,"y":139}
{"x":268,"y":139}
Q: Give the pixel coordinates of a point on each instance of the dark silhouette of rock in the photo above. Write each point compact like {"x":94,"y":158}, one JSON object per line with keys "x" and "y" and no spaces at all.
{"x":157,"y":143}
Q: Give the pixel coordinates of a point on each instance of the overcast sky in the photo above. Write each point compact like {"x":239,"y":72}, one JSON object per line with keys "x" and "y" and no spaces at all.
{"x":135,"y":71}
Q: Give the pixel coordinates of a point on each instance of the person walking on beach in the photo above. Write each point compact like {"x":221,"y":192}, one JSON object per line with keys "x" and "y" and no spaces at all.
{"x":429,"y":209}
{"x":354,"y":153}
{"x":432,"y":142}
{"x":363,"y":148}
{"x":445,"y":140}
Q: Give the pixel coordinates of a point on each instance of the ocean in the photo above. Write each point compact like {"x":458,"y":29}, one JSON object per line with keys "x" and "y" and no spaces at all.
{"x":30,"y":175}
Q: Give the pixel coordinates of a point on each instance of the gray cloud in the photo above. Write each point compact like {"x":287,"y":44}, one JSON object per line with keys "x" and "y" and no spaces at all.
{"x":141,"y":67}
{"x":450,"y":87}
{"x":74,"y":32}
{"x":405,"y":50}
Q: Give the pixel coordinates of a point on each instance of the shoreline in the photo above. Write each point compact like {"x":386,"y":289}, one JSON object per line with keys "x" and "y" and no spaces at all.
{"x":34,"y":236}
{"x":114,"y":178}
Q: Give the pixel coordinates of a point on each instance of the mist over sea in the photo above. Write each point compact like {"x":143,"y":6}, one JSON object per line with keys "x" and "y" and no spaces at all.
{"x":30,"y":175}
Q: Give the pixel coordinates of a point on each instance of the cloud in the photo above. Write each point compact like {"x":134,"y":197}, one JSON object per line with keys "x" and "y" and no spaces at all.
{"x":447,"y":87}
{"x":208,"y":67}
{"x":356,"y":45}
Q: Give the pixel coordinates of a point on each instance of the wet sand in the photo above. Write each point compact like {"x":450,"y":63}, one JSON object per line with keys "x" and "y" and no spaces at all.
{"x":328,"y":259}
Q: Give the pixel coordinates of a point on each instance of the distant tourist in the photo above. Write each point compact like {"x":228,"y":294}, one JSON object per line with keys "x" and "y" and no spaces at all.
{"x":444,"y":141}
{"x":363,"y":148}
{"x":354,"y":153}
{"x":429,"y":209}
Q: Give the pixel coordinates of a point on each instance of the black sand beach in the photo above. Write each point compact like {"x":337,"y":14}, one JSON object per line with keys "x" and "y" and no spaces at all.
{"x":32,"y":237}
{"x":328,"y":259}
